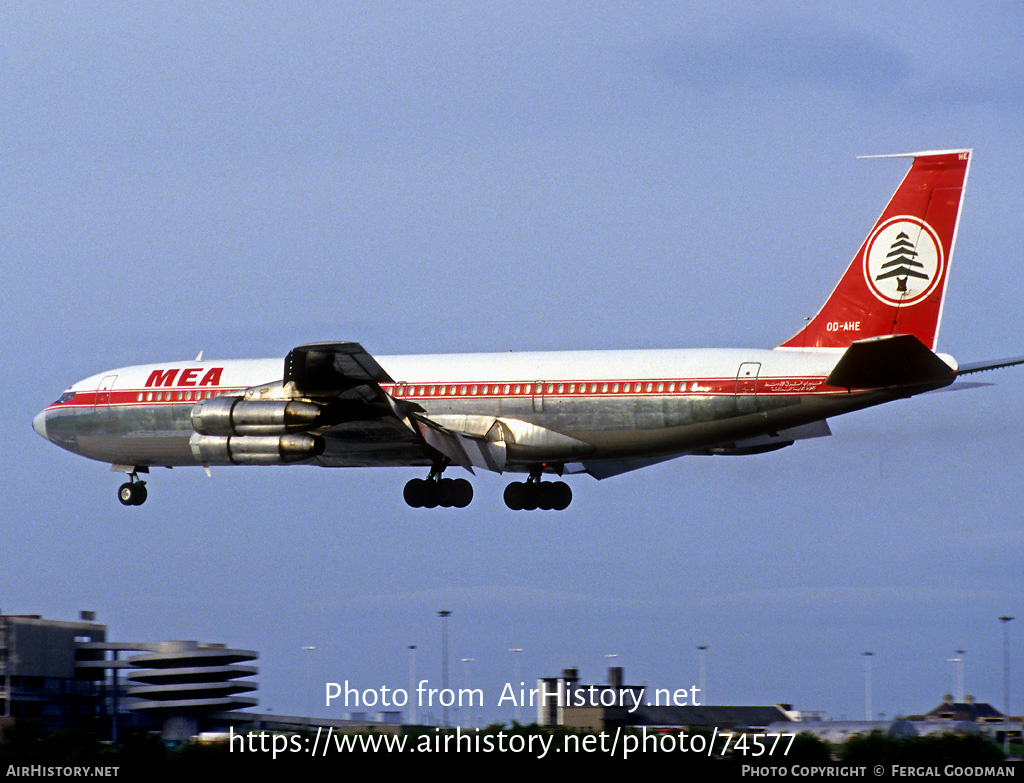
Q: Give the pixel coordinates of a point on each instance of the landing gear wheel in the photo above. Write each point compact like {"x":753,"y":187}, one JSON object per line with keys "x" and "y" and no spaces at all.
{"x":530,"y":496}
{"x":126,"y":494}
{"x":561,"y":496}
{"x":514,"y":495}
{"x":545,"y":496}
{"x":141,"y":493}
{"x":443,"y":492}
{"x":462,"y":493}
{"x":430,"y":495}
{"x":415,"y":493}
{"x":133,"y":493}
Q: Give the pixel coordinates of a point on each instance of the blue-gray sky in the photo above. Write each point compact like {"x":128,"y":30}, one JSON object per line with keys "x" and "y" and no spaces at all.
{"x":432,"y":177}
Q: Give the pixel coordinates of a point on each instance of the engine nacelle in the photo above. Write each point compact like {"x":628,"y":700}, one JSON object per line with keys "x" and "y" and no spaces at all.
{"x":255,"y":449}
{"x":239,"y":416}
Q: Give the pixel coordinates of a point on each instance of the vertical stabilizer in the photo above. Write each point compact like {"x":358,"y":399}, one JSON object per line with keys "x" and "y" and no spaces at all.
{"x":896,"y":283}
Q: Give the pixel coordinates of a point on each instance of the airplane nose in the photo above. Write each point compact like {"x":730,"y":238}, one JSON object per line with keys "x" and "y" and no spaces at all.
{"x":39,"y":424}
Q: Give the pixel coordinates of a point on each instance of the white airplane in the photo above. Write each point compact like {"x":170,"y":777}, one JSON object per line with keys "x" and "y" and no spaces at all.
{"x":596,"y":412}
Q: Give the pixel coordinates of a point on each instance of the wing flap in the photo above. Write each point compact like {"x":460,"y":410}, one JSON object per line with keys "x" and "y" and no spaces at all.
{"x":460,"y":448}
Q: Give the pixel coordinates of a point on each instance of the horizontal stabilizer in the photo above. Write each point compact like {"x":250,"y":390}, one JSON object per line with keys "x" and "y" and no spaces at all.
{"x":893,"y":360}
{"x":961,"y":386}
{"x":995,"y":364}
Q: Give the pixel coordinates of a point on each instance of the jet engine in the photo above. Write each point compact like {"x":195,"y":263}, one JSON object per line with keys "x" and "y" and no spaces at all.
{"x":255,"y":449}
{"x":239,"y":416}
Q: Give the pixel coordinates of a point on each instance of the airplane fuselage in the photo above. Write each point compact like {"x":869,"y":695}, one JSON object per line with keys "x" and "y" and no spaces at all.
{"x":560,"y":406}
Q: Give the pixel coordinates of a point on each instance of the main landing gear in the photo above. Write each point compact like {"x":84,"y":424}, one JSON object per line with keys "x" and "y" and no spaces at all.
{"x":133,"y":493}
{"x":526,"y":495}
{"x":534,"y":493}
{"x":435,"y":491}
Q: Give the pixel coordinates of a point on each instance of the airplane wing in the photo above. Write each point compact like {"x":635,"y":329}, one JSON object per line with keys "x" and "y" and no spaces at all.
{"x":369,"y":421}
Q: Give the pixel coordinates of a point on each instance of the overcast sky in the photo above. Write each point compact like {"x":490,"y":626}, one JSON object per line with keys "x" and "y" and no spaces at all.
{"x":432,"y":177}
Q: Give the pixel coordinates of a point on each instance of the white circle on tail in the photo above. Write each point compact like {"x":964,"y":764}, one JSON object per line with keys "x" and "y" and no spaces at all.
{"x":903,"y":261}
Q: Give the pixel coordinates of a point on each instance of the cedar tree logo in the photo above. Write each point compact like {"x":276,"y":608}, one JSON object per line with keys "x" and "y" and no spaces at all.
{"x":903,"y":261}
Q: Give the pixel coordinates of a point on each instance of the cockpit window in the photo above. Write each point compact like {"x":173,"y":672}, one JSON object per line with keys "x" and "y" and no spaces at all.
{"x":66,"y":396}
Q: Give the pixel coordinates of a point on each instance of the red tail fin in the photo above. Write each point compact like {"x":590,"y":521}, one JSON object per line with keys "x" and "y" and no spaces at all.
{"x":897,"y":281}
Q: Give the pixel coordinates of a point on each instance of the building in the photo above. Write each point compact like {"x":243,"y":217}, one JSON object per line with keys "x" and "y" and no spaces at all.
{"x":40,"y":676}
{"x":564,"y":701}
{"x":968,"y":710}
{"x":950,"y":717}
{"x":56,"y":674}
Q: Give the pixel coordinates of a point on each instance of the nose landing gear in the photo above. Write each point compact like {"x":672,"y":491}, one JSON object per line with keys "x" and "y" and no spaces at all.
{"x":133,"y":493}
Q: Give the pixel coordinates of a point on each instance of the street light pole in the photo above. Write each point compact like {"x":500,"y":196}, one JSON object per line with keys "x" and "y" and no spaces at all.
{"x":309,"y":649}
{"x":516,"y":651}
{"x":444,"y":614}
{"x":702,"y":660}
{"x":469,"y":709}
{"x":867,"y":685}
{"x":1005,"y":620}
{"x":959,"y":661}
{"x":412,"y":681}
